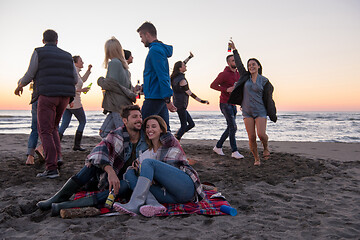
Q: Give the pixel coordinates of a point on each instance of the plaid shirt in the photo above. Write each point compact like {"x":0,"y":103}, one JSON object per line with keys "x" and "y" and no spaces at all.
{"x":114,"y":150}
{"x":172,"y":153}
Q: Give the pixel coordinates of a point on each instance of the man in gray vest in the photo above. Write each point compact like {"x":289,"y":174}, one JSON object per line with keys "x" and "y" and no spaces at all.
{"x":54,"y":75}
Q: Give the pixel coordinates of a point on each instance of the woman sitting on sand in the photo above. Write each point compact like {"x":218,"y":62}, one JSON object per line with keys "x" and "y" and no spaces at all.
{"x":164,"y":174}
{"x":254,"y":93}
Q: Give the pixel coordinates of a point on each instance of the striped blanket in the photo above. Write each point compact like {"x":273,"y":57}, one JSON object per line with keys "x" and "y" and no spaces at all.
{"x":208,"y":206}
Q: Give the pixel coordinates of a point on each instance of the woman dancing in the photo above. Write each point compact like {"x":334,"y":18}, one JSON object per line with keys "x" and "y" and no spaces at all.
{"x":254,"y":93}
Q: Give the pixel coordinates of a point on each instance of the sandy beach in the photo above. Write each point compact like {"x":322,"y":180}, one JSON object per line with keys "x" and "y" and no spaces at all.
{"x":304,"y":191}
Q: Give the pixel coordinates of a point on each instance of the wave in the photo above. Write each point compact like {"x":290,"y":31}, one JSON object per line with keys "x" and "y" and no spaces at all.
{"x":291,"y":126}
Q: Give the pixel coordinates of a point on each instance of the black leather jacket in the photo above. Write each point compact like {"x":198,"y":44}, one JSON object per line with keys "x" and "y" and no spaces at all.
{"x":236,"y":96}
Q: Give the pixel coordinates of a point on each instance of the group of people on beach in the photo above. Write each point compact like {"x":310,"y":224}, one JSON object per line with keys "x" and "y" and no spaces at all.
{"x":138,"y":152}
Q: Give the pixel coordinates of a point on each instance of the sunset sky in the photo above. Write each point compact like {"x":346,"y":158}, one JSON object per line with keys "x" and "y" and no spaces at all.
{"x":309,"y":49}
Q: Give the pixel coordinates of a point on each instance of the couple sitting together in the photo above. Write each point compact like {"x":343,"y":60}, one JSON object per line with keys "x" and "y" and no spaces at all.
{"x":144,"y":158}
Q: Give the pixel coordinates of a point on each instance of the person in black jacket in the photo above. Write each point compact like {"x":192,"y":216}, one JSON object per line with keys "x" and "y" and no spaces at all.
{"x":54,"y":75}
{"x":181,"y":95}
{"x":254,"y":93}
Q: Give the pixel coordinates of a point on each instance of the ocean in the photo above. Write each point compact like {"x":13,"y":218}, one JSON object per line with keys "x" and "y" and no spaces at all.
{"x":209,"y":125}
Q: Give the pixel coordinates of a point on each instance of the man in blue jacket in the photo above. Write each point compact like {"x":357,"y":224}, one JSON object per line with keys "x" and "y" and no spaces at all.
{"x":156,"y":87}
{"x":53,"y":72}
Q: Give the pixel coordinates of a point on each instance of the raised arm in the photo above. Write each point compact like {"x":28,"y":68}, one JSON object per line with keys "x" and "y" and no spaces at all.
{"x":185,"y":86}
{"x":188,"y":58}
{"x":239,"y":65}
{"x":87,"y":74}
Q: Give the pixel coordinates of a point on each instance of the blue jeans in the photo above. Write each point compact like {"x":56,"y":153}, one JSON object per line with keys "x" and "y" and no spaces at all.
{"x":155,"y":107}
{"x":229,"y":111}
{"x":112,"y":121}
{"x":185,"y":118}
{"x":172,"y":184}
{"x":66,"y":118}
{"x":87,"y":173}
{"x":34,"y":135}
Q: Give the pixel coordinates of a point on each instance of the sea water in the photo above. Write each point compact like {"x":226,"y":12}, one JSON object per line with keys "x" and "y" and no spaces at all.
{"x":209,"y":125}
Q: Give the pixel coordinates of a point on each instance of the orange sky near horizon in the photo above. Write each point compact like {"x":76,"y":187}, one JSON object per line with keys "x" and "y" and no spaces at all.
{"x":92,"y":101}
{"x":309,"y":55}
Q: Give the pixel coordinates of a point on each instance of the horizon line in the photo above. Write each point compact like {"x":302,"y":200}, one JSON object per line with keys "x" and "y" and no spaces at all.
{"x":194,"y":110}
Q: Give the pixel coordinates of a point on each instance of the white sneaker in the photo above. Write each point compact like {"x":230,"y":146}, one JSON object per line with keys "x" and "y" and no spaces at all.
{"x":219,"y":151}
{"x":237,"y":155}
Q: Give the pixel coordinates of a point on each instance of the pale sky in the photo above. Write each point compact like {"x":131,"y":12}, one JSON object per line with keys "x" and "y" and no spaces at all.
{"x":309,"y":49}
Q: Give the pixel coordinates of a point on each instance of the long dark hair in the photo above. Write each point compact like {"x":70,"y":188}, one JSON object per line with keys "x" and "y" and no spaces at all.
{"x":176,"y":70}
{"x":162,"y":125}
{"x":258,"y":62}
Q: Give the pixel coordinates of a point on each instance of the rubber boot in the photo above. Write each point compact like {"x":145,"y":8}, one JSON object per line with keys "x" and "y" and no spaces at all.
{"x":152,"y":206}
{"x":69,"y":188}
{"x":81,"y":202}
{"x":77,"y":142}
{"x":137,"y":199}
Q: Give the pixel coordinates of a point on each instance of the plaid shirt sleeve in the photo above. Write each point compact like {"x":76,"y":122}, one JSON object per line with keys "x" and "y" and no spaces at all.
{"x":107,"y":151}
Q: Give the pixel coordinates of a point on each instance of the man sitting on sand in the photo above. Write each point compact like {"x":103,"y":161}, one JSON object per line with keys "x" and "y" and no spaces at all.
{"x":108,"y":160}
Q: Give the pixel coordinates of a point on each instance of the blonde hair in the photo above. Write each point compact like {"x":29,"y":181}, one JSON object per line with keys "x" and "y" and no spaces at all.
{"x":113,"y":49}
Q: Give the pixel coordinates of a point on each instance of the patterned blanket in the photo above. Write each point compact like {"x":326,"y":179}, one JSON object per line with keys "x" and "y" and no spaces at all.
{"x":208,"y":206}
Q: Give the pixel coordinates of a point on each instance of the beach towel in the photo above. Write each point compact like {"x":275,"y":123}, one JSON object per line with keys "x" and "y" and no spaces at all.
{"x":208,"y":206}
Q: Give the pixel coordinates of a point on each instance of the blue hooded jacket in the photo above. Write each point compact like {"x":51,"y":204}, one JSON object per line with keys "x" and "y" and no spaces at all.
{"x":156,"y":72}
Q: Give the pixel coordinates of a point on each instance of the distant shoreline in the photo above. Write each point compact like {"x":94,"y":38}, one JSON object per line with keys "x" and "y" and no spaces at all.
{"x":315,"y":150}
{"x":209,"y":125}
{"x":191,"y":110}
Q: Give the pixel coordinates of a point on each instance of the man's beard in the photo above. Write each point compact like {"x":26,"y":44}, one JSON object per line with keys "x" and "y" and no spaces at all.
{"x":133,"y":128}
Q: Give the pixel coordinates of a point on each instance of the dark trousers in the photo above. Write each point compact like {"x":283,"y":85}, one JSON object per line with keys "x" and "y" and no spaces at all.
{"x":79,"y":113}
{"x":49,"y":112}
{"x":155,"y":107}
{"x":87,"y":173}
{"x":186,"y":122}
{"x":229,"y":111}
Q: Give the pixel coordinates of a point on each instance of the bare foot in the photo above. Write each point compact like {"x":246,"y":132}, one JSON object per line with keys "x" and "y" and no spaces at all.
{"x":257,"y":161}
{"x":30,"y":160}
{"x":266,"y":154}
